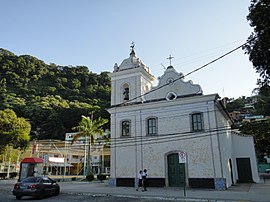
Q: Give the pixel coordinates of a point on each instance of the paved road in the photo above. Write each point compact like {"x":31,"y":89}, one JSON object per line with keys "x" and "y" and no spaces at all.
{"x":6,"y":196}
{"x":96,"y":191}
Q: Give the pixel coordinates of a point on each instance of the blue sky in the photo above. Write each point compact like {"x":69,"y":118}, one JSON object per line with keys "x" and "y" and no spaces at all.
{"x":98,"y":33}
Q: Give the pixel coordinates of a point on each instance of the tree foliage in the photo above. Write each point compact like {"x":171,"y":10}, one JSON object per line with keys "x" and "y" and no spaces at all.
{"x":258,"y":46}
{"x":235,"y":105}
{"x":14,"y":131}
{"x":53,"y":98}
{"x":263,"y":100}
{"x":91,"y":128}
{"x":260,"y":130}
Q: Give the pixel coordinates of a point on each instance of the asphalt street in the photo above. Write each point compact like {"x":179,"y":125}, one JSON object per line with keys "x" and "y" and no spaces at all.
{"x":96,"y":191}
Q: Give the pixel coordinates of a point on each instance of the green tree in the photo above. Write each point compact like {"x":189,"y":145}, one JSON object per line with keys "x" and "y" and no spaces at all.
{"x":14,"y":131}
{"x":51,"y":97}
{"x":92,"y":129}
{"x":260,"y":130}
{"x":259,"y":48}
{"x":235,"y":105}
{"x":263,"y":100}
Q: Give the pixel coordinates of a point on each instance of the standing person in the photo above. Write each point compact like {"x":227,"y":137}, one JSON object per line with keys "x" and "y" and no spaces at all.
{"x":140,"y":180}
{"x":144,"y":180}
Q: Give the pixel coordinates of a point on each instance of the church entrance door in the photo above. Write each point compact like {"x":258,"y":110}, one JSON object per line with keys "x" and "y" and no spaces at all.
{"x":176,"y":171}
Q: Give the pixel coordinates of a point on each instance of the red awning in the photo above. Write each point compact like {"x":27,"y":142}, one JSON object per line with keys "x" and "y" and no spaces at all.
{"x":32,"y":160}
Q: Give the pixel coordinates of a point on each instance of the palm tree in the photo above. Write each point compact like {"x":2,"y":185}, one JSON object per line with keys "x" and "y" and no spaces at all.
{"x":89,"y":128}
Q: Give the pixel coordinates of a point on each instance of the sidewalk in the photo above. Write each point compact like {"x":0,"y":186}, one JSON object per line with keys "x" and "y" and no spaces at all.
{"x":259,"y":192}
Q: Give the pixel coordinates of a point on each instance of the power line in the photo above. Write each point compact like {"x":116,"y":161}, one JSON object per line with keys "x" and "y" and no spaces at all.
{"x":148,"y":140}
{"x":206,"y":53}
{"x":144,"y":140}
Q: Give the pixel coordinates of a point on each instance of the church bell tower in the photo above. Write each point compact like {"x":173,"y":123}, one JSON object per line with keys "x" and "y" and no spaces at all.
{"x":130,"y":81}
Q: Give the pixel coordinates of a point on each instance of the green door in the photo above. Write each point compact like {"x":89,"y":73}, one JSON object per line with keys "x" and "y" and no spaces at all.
{"x":176,"y":171}
{"x":244,"y":170}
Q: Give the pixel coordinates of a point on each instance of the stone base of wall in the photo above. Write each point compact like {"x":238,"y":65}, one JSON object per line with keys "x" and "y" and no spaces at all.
{"x":125,"y":182}
{"x":201,"y":183}
{"x":130,"y":182}
{"x":218,"y":183}
{"x":156,"y":182}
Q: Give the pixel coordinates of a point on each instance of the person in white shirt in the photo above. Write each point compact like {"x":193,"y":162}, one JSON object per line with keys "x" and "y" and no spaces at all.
{"x":140,"y":181}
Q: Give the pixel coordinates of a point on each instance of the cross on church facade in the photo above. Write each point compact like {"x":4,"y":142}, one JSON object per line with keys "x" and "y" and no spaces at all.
{"x":170,"y":58}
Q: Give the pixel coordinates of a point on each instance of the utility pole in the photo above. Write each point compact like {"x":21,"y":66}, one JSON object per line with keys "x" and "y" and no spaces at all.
{"x":89,"y":150}
{"x":84,"y":160}
{"x":89,"y":156}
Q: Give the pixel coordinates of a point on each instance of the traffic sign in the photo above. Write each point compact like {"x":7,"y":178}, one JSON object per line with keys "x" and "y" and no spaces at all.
{"x":182,"y":157}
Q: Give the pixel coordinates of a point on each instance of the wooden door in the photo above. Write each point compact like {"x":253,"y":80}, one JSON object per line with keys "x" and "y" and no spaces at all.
{"x":244,"y":170}
{"x":176,"y":171}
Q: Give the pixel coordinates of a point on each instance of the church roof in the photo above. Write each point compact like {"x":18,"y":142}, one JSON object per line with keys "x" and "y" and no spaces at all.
{"x":131,"y":62}
{"x":171,"y":85}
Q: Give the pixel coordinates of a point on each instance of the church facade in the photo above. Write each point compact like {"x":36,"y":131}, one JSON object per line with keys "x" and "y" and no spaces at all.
{"x":181,"y":136}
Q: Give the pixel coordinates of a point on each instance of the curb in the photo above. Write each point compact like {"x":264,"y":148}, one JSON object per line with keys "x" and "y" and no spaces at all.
{"x":150,"y":197}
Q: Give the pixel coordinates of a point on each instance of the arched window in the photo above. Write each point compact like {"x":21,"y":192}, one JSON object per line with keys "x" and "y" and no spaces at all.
{"x":126,"y":92}
{"x":197,"y":122}
{"x":152,"y":126}
{"x":126,"y":128}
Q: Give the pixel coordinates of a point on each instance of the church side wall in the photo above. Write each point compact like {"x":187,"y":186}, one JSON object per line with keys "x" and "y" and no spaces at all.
{"x":225,"y":148}
{"x":240,"y":143}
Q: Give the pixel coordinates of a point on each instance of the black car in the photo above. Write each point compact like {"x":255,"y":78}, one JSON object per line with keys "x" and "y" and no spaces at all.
{"x":38,"y":187}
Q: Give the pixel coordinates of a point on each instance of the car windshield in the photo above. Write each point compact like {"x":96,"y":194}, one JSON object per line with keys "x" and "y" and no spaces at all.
{"x":31,"y":179}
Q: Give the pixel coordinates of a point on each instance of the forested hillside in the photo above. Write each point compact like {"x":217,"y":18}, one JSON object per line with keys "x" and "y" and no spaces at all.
{"x":51,"y":97}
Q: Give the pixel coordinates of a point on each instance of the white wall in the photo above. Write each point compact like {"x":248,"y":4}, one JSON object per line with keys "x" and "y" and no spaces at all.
{"x":244,"y":148}
{"x":173,"y":135}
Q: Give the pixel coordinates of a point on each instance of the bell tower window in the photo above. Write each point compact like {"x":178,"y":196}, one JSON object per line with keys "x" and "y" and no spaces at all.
{"x":126,"y":92}
{"x":125,"y":128}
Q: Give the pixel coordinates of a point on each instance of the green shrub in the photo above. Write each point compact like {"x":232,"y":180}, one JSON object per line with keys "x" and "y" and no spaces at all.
{"x":90,"y":177}
{"x":3,"y":175}
{"x":12,"y":175}
{"x":101,"y":177}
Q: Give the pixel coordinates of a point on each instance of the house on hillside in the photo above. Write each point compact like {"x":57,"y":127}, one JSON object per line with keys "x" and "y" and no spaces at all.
{"x":181,"y":136}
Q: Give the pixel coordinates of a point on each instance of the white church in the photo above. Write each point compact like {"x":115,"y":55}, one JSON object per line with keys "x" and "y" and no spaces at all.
{"x":181,"y":136}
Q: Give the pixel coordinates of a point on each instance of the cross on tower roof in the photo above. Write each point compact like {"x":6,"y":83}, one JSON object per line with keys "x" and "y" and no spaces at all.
{"x":132,"y":45}
{"x":132,"y":48}
{"x":170,"y":58}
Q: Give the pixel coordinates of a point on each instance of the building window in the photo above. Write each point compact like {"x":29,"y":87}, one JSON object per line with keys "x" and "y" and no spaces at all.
{"x":125,"y":128}
{"x":152,"y":126}
{"x":197,"y":122}
{"x":126,"y":92}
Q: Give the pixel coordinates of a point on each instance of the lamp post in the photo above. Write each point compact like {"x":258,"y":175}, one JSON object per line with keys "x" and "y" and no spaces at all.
{"x":9,"y":161}
{"x":18,"y":158}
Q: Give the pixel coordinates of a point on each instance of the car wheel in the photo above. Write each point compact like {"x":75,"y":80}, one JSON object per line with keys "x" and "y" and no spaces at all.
{"x":18,"y":197}
{"x":57,"y":191}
